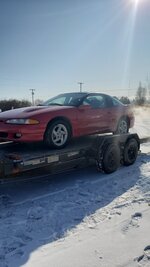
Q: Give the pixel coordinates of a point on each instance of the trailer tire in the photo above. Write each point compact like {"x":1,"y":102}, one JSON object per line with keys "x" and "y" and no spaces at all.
{"x":111,"y":158}
{"x":57,"y":134}
{"x":130,"y":152}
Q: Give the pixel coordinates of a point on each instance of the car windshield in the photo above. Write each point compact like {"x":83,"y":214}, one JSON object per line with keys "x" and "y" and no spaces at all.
{"x":69,"y":99}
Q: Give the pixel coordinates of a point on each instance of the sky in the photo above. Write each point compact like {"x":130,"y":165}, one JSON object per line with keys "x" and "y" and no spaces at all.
{"x":52,"y":45}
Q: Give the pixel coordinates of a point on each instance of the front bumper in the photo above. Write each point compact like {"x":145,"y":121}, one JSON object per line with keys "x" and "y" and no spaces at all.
{"x":20,"y":133}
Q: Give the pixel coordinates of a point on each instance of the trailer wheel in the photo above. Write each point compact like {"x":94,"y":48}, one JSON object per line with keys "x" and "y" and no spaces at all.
{"x":130,"y":152}
{"x":57,"y":134}
{"x":111,"y":158}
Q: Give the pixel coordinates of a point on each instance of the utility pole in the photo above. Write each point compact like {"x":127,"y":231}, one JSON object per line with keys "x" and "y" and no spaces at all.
{"x":129,"y":88}
{"x":148,"y":86}
{"x":80,"y":86}
{"x":32,"y":93}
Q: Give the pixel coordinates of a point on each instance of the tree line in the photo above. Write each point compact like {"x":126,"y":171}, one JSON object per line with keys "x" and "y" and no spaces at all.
{"x":142,"y":97}
{"x":13,"y":103}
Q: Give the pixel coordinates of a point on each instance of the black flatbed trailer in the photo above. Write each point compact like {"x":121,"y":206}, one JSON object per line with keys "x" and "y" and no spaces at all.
{"x":107,"y":152}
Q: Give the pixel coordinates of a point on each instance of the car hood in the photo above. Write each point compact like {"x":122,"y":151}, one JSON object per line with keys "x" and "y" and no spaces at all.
{"x":30,"y":111}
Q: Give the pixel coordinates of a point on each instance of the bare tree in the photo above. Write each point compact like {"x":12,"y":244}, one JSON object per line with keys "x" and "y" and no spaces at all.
{"x":141,"y":95}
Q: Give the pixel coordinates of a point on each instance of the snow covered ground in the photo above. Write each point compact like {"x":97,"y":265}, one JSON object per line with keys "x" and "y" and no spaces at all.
{"x":82,"y":218}
{"x":142,"y":121}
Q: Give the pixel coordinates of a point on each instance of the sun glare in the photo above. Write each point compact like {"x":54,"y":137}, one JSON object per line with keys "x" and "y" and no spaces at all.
{"x":136,"y":2}
{"x":130,"y":36}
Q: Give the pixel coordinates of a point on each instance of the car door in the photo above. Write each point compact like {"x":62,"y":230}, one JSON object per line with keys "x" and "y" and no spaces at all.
{"x":115,"y":111}
{"x":93,"y":114}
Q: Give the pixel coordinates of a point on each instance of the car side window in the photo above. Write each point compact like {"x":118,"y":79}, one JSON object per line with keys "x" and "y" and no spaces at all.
{"x":58,"y":100}
{"x":116,"y":102}
{"x":95,"y":101}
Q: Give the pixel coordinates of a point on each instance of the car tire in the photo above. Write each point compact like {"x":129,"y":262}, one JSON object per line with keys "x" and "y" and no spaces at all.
{"x":130,"y":152}
{"x":57,"y":134}
{"x":111,"y":158}
{"x":122,"y":127}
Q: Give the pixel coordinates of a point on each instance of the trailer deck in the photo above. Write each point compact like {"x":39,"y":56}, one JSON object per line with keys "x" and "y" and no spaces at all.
{"x":16,"y":159}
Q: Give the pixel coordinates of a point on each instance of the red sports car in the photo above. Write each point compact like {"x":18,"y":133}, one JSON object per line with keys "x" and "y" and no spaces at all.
{"x":65,"y":116}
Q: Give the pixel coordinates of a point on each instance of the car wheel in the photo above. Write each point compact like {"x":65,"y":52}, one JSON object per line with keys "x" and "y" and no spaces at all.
{"x":57,"y":134}
{"x":111,"y":158}
{"x":122,"y":127}
{"x":130,"y":152}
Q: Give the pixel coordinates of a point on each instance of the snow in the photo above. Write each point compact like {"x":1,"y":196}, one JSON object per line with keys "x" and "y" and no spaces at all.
{"x":82,"y":218}
{"x":142,"y":121}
